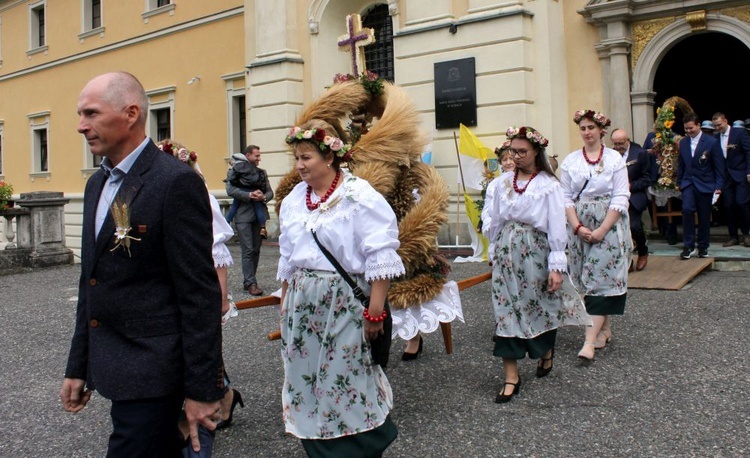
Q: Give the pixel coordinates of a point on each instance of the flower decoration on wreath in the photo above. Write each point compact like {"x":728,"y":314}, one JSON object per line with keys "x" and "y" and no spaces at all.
{"x":598,"y":118}
{"x":502,"y":148}
{"x":666,"y":148}
{"x":179,"y":151}
{"x":370,"y":80}
{"x":527,"y":133}
{"x":321,"y":140}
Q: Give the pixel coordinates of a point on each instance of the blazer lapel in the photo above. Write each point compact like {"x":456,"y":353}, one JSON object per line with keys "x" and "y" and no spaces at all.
{"x":88,"y":231}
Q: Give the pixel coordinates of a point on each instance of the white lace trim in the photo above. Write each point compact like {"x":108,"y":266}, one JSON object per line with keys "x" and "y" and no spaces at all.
{"x":222,"y":257}
{"x":284,"y":273}
{"x":539,"y":187}
{"x":426,"y":318}
{"x":620,"y":208}
{"x":557,"y":261}
{"x":384,"y":270}
{"x":342,"y":205}
{"x":580,"y":170}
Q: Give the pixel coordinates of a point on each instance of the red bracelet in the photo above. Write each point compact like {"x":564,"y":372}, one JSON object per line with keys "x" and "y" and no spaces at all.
{"x":377,"y":319}
{"x":575,"y":231}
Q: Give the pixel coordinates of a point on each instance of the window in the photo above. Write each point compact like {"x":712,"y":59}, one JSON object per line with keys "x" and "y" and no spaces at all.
{"x":379,"y":55}
{"x":160,"y":3}
{"x":157,"y":7}
{"x":236,"y":113}
{"x":40,"y":154}
{"x":37,"y":28}
{"x":163,"y":124}
{"x":92,"y":19}
{"x":96,"y":14}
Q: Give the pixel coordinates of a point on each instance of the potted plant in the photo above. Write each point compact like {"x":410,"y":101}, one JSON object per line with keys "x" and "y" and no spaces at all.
{"x":6,"y":194}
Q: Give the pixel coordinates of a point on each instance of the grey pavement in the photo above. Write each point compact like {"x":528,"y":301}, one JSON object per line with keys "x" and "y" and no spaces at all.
{"x":673,"y":382}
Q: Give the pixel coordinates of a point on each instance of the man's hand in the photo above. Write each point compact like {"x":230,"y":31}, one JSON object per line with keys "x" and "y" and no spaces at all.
{"x":74,"y":394}
{"x":257,"y":195}
{"x":203,"y":413}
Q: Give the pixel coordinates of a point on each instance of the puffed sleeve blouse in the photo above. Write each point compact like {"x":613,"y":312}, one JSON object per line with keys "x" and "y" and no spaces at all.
{"x":355,"y":224}
{"x":486,"y":216}
{"x":608,"y":178}
{"x":222,"y":233}
{"x":541,"y":206}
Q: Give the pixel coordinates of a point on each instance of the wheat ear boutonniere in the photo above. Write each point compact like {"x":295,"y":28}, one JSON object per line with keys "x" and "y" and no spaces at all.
{"x":121,"y":215}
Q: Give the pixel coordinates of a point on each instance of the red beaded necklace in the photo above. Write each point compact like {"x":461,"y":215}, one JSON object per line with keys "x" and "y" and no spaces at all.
{"x":515,"y":182}
{"x":601,"y":153}
{"x":312,"y":206}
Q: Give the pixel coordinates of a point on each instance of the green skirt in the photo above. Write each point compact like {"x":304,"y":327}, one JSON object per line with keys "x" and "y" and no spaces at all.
{"x":517,"y":348}
{"x":606,"y":305}
{"x":369,"y":444}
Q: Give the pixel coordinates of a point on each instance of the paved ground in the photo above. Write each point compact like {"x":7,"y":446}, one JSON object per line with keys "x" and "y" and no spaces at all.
{"x":674,"y":382}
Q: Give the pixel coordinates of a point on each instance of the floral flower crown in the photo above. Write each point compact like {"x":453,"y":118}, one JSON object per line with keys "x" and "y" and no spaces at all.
{"x":321,"y":140}
{"x":370,"y":80}
{"x":179,"y":151}
{"x":527,"y":133}
{"x":502,"y":148}
{"x":598,"y":118}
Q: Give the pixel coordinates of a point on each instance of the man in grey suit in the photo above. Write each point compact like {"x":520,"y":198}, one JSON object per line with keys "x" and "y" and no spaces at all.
{"x":246,"y":222}
{"x":148,"y":321}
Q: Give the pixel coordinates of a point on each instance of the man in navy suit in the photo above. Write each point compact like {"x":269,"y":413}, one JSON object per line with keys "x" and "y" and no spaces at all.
{"x":700,"y":175}
{"x":639,"y":174}
{"x":735,"y":146}
{"x":148,"y":322}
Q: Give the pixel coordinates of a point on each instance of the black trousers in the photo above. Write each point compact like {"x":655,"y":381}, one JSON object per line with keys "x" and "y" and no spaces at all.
{"x":735,"y":197}
{"x":636,"y":230}
{"x":146,"y":427}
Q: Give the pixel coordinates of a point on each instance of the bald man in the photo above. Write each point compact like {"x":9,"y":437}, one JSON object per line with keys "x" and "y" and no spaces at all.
{"x":148,"y":322}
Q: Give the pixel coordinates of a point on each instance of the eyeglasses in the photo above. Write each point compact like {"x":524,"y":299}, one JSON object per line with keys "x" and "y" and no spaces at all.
{"x":518,"y":152}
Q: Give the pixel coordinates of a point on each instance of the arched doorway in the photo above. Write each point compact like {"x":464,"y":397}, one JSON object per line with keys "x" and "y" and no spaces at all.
{"x":704,"y":69}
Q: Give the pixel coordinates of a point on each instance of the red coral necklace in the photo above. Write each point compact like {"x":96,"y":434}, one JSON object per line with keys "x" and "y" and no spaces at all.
{"x":515,"y":182}
{"x":601,"y":153}
{"x":308,"y":200}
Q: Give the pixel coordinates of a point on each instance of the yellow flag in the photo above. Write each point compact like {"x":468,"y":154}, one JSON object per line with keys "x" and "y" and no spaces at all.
{"x":474,"y":158}
{"x":474,"y":215}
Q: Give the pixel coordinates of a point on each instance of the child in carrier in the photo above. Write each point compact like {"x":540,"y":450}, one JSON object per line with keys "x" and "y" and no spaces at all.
{"x":246,"y":176}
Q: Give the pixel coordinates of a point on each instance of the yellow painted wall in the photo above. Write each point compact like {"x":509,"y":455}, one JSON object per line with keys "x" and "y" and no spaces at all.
{"x":209,"y":49}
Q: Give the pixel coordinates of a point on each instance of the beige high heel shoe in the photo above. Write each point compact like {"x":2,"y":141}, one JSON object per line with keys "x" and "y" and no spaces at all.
{"x":588,"y":351}
{"x":603,"y":338}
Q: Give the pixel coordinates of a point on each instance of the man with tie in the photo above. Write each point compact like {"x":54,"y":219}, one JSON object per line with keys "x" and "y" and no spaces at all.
{"x":148,"y":322}
{"x":639,"y":175}
{"x":700,"y":176}
{"x":735,"y":146}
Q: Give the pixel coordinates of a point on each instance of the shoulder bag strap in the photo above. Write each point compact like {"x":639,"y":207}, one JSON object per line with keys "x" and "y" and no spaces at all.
{"x":358,"y":293}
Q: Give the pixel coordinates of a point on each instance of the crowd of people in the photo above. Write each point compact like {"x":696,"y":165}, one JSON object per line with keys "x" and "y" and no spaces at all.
{"x":153,"y":298}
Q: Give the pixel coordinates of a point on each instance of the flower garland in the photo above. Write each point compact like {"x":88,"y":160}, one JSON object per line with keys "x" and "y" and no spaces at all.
{"x":370,"y":80}
{"x":666,"y":148}
{"x":179,"y":151}
{"x":321,"y":140}
{"x":527,"y":133}
{"x":598,"y":118}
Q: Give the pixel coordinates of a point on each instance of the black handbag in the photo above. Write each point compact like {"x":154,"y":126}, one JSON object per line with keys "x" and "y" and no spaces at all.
{"x":380,"y":347}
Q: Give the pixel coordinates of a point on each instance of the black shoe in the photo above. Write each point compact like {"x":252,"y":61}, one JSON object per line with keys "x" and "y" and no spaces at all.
{"x":541,"y":371}
{"x":687,"y":253}
{"x":671,"y":240}
{"x":502,"y":398}
{"x":236,"y":399}
{"x":702,"y":252}
{"x":412,"y":356}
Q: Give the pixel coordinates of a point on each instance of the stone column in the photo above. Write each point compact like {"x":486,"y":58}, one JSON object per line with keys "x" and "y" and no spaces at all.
{"x":617,"y":75}
{"x":42,"y":229}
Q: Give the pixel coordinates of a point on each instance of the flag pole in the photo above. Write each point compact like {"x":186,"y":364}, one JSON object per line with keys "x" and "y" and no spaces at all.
{"x":458,"y":190}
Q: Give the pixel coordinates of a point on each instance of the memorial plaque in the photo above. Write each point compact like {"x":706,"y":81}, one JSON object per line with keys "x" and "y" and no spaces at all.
{"x":455,"y":93}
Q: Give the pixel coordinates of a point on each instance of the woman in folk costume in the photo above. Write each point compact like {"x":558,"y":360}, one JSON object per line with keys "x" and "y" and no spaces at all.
{"x":387,"y":154}
{"x":597,"y":190}
{"x":222,"y":260}
{"x":335,"y":398}
{"x":532,"y":294}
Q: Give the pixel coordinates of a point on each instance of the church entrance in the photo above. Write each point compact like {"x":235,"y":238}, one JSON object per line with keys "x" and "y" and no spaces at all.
{"x":707,"y":71}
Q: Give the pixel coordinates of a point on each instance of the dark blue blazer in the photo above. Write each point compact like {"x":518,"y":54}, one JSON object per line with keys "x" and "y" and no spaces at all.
{"x":149,"y":322}
{"x":648,"y":144}
{"x":705,"y":170}
{"x":639,"y":174}
{"x":738,"y":154}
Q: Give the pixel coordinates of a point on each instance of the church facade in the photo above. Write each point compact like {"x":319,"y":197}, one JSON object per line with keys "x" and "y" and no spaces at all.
{"x":259,"y":62}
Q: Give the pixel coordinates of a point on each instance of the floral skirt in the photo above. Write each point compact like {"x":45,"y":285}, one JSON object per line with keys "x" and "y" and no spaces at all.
{"x":601,"y":269}
{"x":331,"y":387}
{"x":523,"y":306}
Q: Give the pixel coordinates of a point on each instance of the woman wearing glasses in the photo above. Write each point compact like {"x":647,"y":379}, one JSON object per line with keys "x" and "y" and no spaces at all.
{"x":531,"y":293}
{"x":595,"y":182}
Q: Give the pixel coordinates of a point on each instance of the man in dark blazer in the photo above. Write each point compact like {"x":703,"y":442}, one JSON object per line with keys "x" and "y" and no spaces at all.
{"x":639,"y":174}
{"x":735,"y":146}
{"x":246,"y":222}
{"x":148,"y":321}
{"x":700,"y":176}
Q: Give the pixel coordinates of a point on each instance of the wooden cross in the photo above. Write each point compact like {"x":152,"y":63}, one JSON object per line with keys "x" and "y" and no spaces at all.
{"x":354,"y":42}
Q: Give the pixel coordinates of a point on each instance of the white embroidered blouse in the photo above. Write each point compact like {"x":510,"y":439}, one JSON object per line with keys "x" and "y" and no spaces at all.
{"x":356,"y":225}
{"x":608,"y":178}
{"x":223,"y":232}
{"x":540,"y":206}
